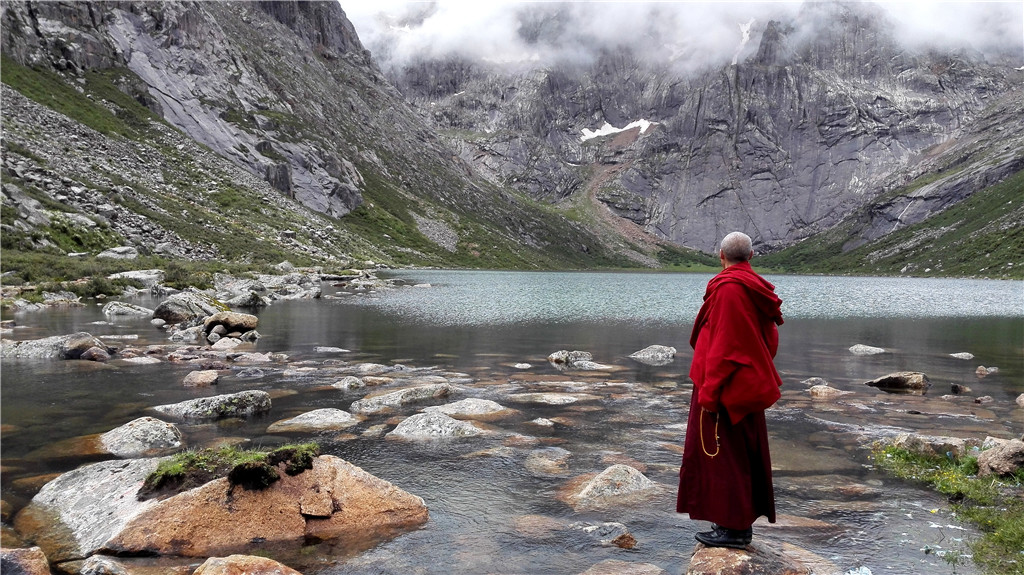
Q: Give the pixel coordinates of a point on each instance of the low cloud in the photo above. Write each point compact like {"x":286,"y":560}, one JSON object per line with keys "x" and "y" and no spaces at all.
{"x":685,"y":35}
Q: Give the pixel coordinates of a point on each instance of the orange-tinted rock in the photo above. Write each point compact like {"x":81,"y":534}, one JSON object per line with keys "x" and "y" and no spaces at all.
{"x":243,"y":565}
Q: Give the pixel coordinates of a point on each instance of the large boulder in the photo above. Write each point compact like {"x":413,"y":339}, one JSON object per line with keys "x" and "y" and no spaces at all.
{"x":186,"y":306}
{"x":910,"y":382}
{"x":73,"y":516}
{"x":125,"y":309}
{"x":389,"y":401}
{"x":232,"y":321}
{"x":142,"y":437}
{"x":1003,"y":459}
{"x":56,"y":347}
{"x":756,"y":559}
{"x":243,"y":564}
{"x":655,"y":355}
{"x":474,"y":408}
{"x":241,"y":404}
{"x":24,"y":561}
{"x":326,"y":419}
{"x":148,"y":278}
{"x":333,"y":500}
{"x":434,"y":424}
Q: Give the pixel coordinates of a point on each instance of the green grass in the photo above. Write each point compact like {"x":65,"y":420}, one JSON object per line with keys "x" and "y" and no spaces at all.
{"x":994,"y":505}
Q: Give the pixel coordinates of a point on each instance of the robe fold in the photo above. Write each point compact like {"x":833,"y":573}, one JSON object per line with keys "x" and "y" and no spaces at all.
{"x":726,"y":472}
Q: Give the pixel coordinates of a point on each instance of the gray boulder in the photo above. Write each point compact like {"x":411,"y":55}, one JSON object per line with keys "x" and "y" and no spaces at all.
{"x":75,"y":514}
{"x":119,"y":253}
{"x":1003,"y":460}
{"x":910,"y":382}
{"x":56,"y":347}
{"x":569,"y":359}
{"x":120,"y":308}
{"x":655,"y":355}
{"x":394,"y":399}
{"x":188,"y":305}
{"x":148,"y":278}
{"x":327,"y":419}
{"x":242,"y":404}
{"x":616,"y":485}
{"x":232,"y":321}
{"x":142,"y":437}
{"x":861,"y":349}
{"x":433,"y":425}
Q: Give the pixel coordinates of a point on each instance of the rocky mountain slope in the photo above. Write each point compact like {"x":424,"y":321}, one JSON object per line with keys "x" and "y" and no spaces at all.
{"x":822,"y":115}
{"x":245,"y":131}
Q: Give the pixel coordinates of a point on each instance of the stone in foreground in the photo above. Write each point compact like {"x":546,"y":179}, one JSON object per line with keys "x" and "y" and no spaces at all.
{"x":241,"y":404}
{"x":910,"y":382}
{"x":247,"y":564}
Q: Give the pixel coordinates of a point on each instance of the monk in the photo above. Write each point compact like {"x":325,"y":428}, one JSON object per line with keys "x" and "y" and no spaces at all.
{"x":726,"y":475}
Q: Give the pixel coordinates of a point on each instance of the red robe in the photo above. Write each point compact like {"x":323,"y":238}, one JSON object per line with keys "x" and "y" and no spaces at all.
{"x":735,"y":338}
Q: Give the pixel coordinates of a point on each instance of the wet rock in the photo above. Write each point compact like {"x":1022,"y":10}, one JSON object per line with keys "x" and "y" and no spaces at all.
{"x":434,"y":425}
{"x":242,"y":404}
{"x":56,"y":347}
{"x":933,"y":445}
{"x":226,"y":343}
{"x":75,"y":514}
{"x":349,"y":382}
{"x":201,"y":378}
{"x":607,"y":534}
{"x":1002,"y":460}
{"x":656,"y":355}
{"x":522,"y":366}
{"x":24,"y":561}
{"x":329,"y":349}
{"x":119,"y":253}
{"x":140,"y":360}
{"x":188,"y":305}
{"x":617,"y":485}
{"x":551,"y":398}
{"x":569,"y":359}
{"x":616,"y":567}
{"x":826,"y":392}
{"x":388,"y":401}
{"x":962,"y":355}
{"x":757,"y":559}
{"x":334,"y":500}
{"x":861,"y":349}
{"x":231,"y":321}
{"x":813,"y":381}
{"x":474,"y":408}
{"x":142,"y":437}
{"x":983,"y":371}
{"x":327,"y":419}
{"x":104,"y":565}
{"x":250,"y":300}
{"x":124,"y":309}
{"x":95,"y":354}
{"x":548,"y":462}
{"x":912,"y":382}
{"x":247,"y":564}
{"x":984,"y":399}
{"x":1020,"y":400}
{"x":957,"y":389}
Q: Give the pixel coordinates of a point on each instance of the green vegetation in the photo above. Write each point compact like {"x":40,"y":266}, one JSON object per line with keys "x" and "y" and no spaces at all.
{"x":981,"y":236}
{"x":251,"y":469}
{"x":995,"y":505}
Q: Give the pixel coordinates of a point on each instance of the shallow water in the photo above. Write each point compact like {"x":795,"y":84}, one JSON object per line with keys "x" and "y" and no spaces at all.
{"x":489,"y":513}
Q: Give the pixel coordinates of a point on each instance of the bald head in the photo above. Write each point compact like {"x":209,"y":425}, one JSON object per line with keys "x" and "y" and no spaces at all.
{"x":736,"y":247}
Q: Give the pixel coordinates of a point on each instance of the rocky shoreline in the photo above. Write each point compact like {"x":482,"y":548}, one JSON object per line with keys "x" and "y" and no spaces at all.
{"x":89,"y":521}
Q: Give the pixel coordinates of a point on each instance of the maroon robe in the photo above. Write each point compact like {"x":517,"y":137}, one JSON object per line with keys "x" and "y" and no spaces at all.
{"x":729,"y":480}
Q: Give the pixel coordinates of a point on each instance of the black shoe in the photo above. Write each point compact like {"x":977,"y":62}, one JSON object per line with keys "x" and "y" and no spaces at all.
{"x":724,"y":537}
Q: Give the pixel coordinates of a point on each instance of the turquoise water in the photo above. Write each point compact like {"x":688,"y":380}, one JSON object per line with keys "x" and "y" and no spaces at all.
{"x":483,"y":323}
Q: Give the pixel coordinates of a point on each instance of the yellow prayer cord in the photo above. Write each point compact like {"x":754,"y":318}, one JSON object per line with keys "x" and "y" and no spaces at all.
{"x":718,"y":447}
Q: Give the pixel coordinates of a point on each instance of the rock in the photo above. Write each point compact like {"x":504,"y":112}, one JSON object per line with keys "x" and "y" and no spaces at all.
{"x":656,"y":355}
{"x":243,"y":564}
{"x":103,"y":565}
{"x":607,"y":534}
{"x":911,"y":382}
{"x":616,"y":567}
{"x":1002,"y":460}
{"x":24,"y":561}
{"x":569,"y":359}
{"x":95,"y":354}
{"x":932,"y":445}
{"x":141,"y":360}
{"x":329,"y":349}
{"x":242,"y":404}
{"x":250,"y":300}
{"x":826,"y":392}
{"x":957,"y":388}
{"x":226,"y":343}
{"x":231,"y":321}
{"x":149,"y":278}
{"x":334,"y":500}
{"x":349,"y":382}
{"x":984,"y":399}
{"x":394,"y":399}
{"x":617,"y":485}
{"x":757,"y":559}
{"x":56,"y":347}
{"x":522,"y":366}
{"x":1020,"y":400}
{"x":983,"y":371}
{"x":474,"y":408}
{"x":75,"y":514}
{"x":120,"y":308}
{"x":142,"y":437}
{"x":861,"y":349}
{"x":327,"y":419}
{"x":962,"y":355}
{"x":432,"y":425}
{"x":551,"y":398}
{"x":548,"y":462}
{"x":813,"y":381}
{"x":187,"y":305}
{"x":119,"y":253}
{"x":201,"y":378}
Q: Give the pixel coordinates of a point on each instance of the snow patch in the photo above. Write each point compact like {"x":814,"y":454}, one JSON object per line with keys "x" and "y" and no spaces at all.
{"x":608,"y":129}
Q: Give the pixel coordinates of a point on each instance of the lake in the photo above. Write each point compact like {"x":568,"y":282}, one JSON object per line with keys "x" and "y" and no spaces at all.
{"x":489,"y":512}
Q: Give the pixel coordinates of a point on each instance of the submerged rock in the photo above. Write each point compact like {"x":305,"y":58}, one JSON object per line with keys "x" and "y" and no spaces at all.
{"x":327,"y":419}
{"x":334,"y":500}
{"x":240,"y":404}
{"x":474,"y":408}
{"x":861,"y":349}
{"x":912,"y":382}
{"x":616,"y":485}
{"x":617,"y":567}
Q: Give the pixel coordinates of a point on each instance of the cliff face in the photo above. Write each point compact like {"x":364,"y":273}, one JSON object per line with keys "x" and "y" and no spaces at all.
{"x":828,"y":113}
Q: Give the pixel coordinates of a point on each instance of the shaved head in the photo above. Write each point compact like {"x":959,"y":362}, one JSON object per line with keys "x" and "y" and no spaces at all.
{"x":737,"y":247}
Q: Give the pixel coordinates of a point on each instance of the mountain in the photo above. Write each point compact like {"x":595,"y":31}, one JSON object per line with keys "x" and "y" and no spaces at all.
{"x":245,"y":132}
{"x":261,"y":131}
{"x":827,"y":116}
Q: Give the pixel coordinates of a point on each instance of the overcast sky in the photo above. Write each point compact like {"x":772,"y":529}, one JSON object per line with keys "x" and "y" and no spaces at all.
{"x":694,"y":32}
